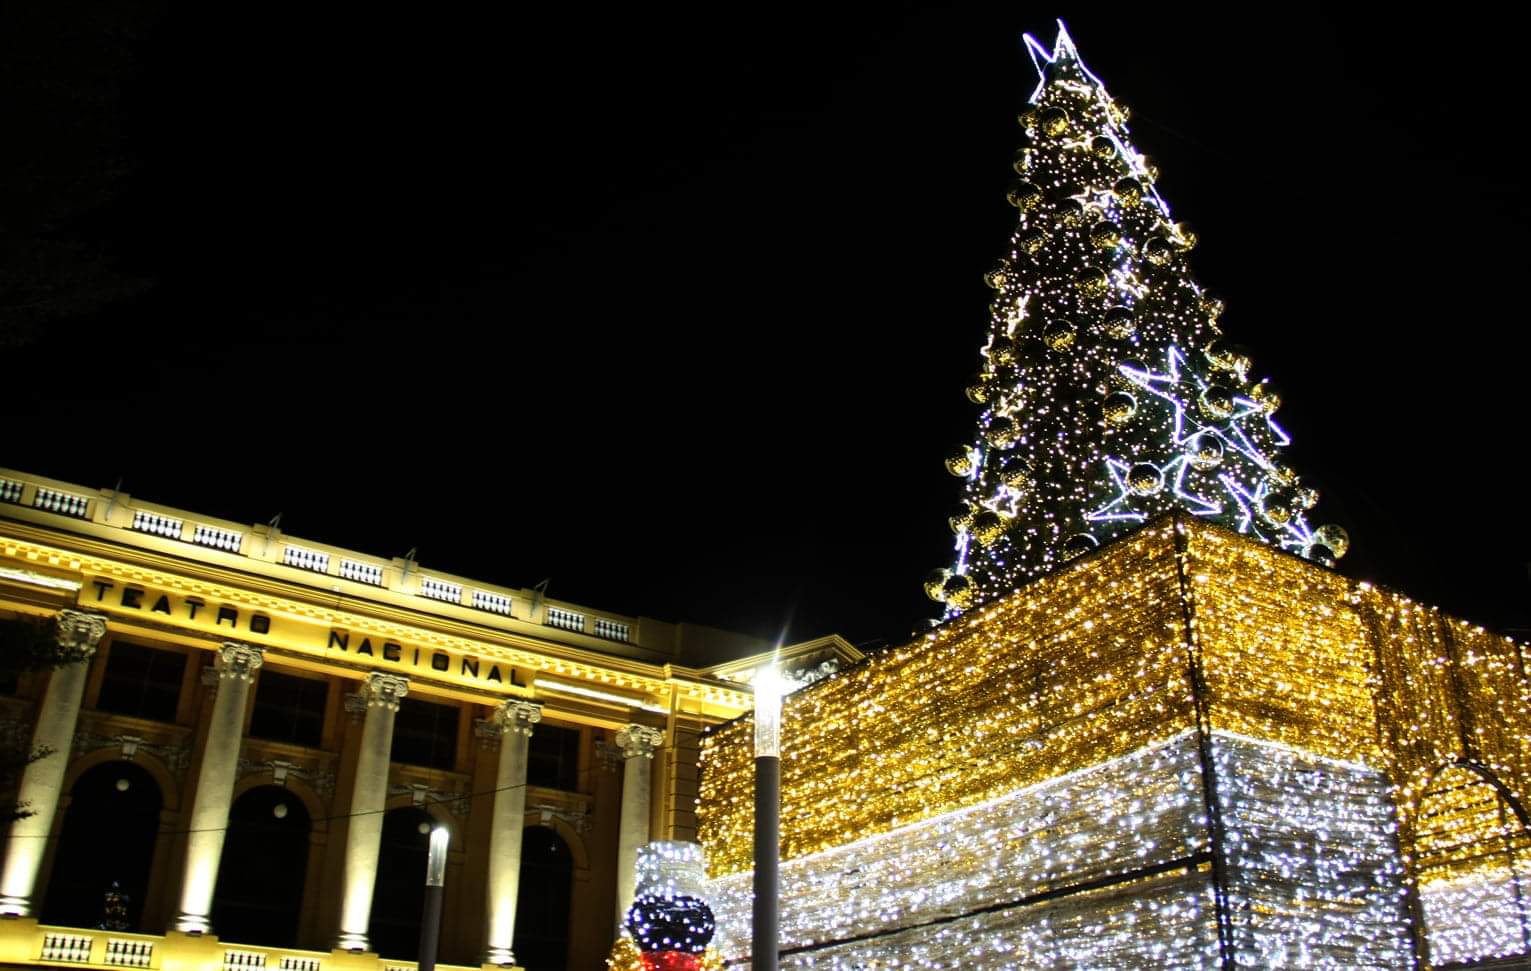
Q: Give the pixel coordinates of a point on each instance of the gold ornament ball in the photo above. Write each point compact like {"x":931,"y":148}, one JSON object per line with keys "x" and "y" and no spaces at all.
{"x":1118,"y":408}
{"x":961,"y":462}
{"x":958,"y":591}
{"x":1022,"y":161}
{"x":1092,"y":281}
{"x":1078,"y":545}
{"x":1025,"y":195}
{"x":1226,"y":357}
{"x":1186,"y":236}
{"x":1334,"y":538}
{"x":1206,"y":450}
{"x":1102,"y":147}
{"x":1031,"y":240}
{"x":960,"y":519}
{"x":1128,"y":191}
{"x":1212,"y":307}
{"x":997,"y":278}
{"x":1158,"y":251}
{"x":1217,"y":401}
{"x":1145,"y":479}
{"x":1151,"y":169}
{"x":1283,"y":475}
{"x":1018,"y":475}
{"x":1119,"y":323}
{"x":1059,"y":335}
{"x":1278,"y":507}
{"x":1105,"y":235}
{"x":978,"y":392}
{"x":935,"y":585}
{"x":1122,"y":377}
{"x":1069,"y":211}
{"x":1307,"y":497}
{"x":988,"y":527}
{"x":1002,"y":350}
{"x":1001,"y":432}
{"x":1266,"y":396}
{"x":1053,"y":121}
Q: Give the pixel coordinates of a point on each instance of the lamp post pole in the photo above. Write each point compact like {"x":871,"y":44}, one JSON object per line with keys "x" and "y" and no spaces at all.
{"x":765,"y":933}
{"x":435,"y":888}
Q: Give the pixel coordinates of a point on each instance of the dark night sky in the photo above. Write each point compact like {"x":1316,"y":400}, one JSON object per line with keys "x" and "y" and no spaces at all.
{"x":677,"y":308}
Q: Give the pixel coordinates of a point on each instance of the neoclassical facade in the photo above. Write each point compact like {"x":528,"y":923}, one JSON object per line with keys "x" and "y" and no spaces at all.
{"x":253,"y":734}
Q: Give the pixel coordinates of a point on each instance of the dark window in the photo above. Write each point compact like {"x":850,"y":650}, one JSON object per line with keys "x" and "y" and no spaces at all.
{"x":542,"y":906}
{"x":398,"y":901}
{"x":142,"y":681}
{"x":105,"y":847}
{"x":552,"y":758}
{"x":264,"y":866}
{"x":425,"y":734}
{"x":289,"y":709}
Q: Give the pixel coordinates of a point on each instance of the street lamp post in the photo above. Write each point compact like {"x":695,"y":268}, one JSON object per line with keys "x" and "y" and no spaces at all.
{"x":435,"y":888}
{"x":763,"y":947}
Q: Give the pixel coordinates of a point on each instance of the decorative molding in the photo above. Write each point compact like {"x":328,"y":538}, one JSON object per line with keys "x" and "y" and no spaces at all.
{"x":238,"y":661}
{"x":515,"y":715}
{"x":383,"y":690}
{"x":79,"y":632}
{"x":639,"y":741}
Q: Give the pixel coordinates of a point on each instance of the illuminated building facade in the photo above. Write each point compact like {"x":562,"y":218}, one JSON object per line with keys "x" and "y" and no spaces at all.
{"x":257,"y":732}
{"x":1188,"y":749}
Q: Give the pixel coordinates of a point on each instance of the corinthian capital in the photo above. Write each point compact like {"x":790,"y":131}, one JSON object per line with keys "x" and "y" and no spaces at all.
{"x":238,"y":661}
{"x":78,"y":632}
{"x":384,"y":690}
{"x":639,"y":741}
{"x":515,"y":715}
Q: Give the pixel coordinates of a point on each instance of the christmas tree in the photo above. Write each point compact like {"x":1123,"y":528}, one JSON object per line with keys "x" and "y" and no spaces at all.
{"x":1108,"y":394}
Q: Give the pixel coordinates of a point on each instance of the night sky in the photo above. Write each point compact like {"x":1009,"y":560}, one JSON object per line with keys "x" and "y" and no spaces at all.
{"x":676,"y":308}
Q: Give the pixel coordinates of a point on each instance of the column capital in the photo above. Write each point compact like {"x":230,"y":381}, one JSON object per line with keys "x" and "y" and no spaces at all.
{"x":79,"y":632}
{"x":515,"y":715}
{"x":384,"y":690}
{"x":238,"y":661}
{"x":639,"y":741}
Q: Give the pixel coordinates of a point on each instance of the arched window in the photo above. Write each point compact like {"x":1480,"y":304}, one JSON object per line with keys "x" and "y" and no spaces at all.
{"x":108,"y":837}
{"x":263,"y":869}
{"x":398,"y":898}
{"x":1473,"y":856}
{"x":542,"y":904}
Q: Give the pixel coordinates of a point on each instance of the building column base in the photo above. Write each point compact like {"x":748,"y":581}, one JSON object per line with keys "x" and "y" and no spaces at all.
{"x":354,"y":942}
{"x":192,"y":924}
{"x":15,"y":907}
{"x":499,"y":957}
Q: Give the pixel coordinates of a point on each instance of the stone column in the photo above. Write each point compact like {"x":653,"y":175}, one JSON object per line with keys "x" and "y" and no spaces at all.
{"x":41,"y":782}
{"x":638,"y":743}
{"x":369,"y":794}
{"x":514,"y":720}
{"x":215,"y":786}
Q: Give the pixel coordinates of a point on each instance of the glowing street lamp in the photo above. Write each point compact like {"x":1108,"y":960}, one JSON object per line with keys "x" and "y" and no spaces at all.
{"x":435,"y":884}
{"x":768,"y":691}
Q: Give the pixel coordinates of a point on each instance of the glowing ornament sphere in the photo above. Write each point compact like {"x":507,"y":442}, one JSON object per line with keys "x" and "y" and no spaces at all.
{"x":1059,"y":335}
{"x":1118,"y":408}
{"x":1151,"y":169}
{"x":1266,"y":396}
{"x":1283,"y":475}
{"x":1333,"y":537}
{"x":1206,"y":450}
{"x":1307,"y":497}
{"x":997,"y":278}
{"x":959,"y":590}
{"x":1031,"y":240}
{"x":1119,"y":323}
{"x":1102,"y":147}
{"x":1278,"y":507}
{"x":1158,"y":251}
{"x":1127,"y":370}
{"x":1092,"y":281}
{"x":680,"y":923}
{"x":1022,"y":161}
{"x":1217,"y":401}
{"x":1078,"y":545}
{"x":1226,"y":357}
{"x":960,"y":519}
{"x":1053,"y":121}
{"x":1070,"y":212}
{"x":961,"y":462}
{"x":1212,"y":306}
{"x":978,"y":392}
{"x":1320,"y":554}
{"x":1025,"y":196}
{"x":1018,"y":475}
{"x":1186,"y":236}
{"x":1002,"y":350}
{"x":1128,"y":191}
{"x":1105,"y":235}
{"x":988,"y":527}
{"x":935,"y":585}
{"x":1001,"y":432}
{"x":1145,"y":479}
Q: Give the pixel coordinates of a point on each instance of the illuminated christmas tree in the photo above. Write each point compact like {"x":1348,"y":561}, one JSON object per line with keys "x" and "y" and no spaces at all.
{"x":1108,"y":393}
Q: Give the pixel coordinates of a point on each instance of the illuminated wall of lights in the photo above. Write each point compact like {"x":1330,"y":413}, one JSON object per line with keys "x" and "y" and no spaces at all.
{"x":1106,"y":393}
{"x":1362,"y":702}
{"x":1109,"y":867}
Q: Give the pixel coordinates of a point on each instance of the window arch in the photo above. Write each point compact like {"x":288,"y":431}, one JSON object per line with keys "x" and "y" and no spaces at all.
{"x":398,"y":897}
{"x":263,"y":869}
{"x":107,"y":836}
